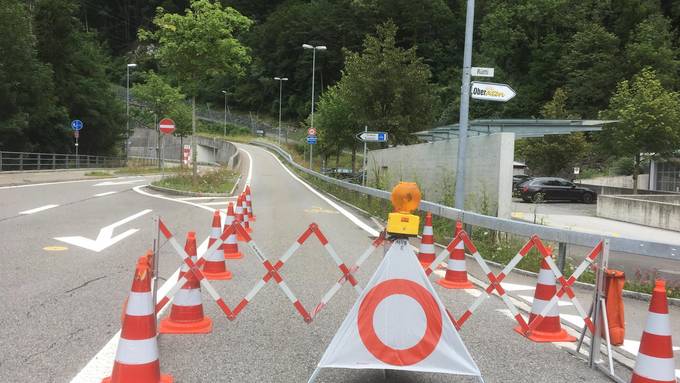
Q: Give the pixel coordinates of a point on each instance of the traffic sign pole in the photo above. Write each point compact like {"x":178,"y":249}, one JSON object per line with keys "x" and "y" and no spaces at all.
{"x":363,"y":173}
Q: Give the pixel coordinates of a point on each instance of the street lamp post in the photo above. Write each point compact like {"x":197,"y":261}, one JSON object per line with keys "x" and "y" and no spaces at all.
{"x":225,"y":112}
{"x":314,"y":49}
{"x":280,"y":80}
{"x":127,"y":110}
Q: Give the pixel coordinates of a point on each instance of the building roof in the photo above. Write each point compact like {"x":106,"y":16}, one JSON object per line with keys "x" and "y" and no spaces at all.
{"x":522,"y":128}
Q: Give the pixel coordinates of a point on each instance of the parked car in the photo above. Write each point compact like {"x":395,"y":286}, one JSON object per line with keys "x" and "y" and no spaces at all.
{"x":551,"y":188}
{"x":517,"y":180}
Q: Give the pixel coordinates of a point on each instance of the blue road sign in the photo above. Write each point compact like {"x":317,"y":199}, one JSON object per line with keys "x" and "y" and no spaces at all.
{"x":382,"y":137}
{"x":311,"y":140}
{"x":76,"y":125}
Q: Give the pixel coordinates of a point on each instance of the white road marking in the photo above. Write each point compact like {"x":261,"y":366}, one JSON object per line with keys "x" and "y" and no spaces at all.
{"x":632,"y":346}
{"x":202,"y":198}
{"x":105,"y":237}
{"x":507,"y":286}
{"x":101,"y":365}
{"x":37,"y":209}
{"x":45,"y":184}
{"x":337,"y":207}
{"x":249,"y":177}
{"x":112,"y":183}
{"x":106,"y":193}
{"x":530,"y":299}
{"x":223,"y":203}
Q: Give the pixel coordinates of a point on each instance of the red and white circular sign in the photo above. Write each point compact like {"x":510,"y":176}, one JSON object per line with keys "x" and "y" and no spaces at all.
{"x":166,"y":126}
{"x":433,"y":331}
{"x":311,"y":132}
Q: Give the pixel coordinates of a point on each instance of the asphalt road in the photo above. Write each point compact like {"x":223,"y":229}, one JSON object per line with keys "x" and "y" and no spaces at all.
{"x":61,"y":307}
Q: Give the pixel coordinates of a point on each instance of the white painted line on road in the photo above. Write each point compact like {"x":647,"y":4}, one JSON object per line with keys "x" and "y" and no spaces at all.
{"x":113,"y":183}
{"x":106,"y":193}
{"x":530,"y":299}
{"x":202,"y":198}
{"x":337,"y":207}
{"x":223,"y":203}
{"x":38,"y":209}
{"x":101,"y":365}
{"x":250,"y":166}
{"x":105,"y":237}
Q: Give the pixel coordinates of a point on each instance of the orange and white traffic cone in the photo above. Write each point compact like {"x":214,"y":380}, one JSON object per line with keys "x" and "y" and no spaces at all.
{"x":654,"y":363}
{"x":249,"y":203}
{"x":186,"y":313}
{"x":246,"y":218}
{"x":550,"y":329}
{"x":426,"y":254}
{"x":239,"y":215}
{"x":215,"y":269}
{"x":230,"y":246}
{"x":137,"y":353}
{"x":456,"y":274}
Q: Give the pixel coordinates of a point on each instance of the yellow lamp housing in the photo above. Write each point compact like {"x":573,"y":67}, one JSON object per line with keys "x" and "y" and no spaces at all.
{"x":405,"y":198}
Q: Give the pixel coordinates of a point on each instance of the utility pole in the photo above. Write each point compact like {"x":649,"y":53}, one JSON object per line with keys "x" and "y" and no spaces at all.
{"x":280,"y":80}
{"x":314,"y":49}
{"x":464,"y":107}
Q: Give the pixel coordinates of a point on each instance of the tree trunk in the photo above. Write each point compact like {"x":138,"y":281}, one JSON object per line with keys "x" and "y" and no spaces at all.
{"x":354,"y":158}
{"x":636,"y":172}
{"x":194,"y":156}
{"x":337,"y":157}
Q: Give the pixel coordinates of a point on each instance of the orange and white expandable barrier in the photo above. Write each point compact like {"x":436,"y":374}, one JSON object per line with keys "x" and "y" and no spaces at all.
{"x":654,"y":363}
{"x":230,"y":246}
{"x":249,"y":203}
{"x":426,"y":253}
{"x":456,"y":273}
{"x":215,"y":268}
{"x":186,"y":313}
{"x":137,"y":353}
{"x":550,"y":329}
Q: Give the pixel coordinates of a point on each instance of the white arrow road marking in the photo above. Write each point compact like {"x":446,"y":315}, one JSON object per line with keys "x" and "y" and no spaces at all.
{"x":106,"y":193}
{"x":37,"y":209}
{"x":111,"y":183}
{"x":105,"y":237}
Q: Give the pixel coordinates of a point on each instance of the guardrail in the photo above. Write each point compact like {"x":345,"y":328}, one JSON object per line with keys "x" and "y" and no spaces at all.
{"x":627,"y":245}
{"x":42,"y":161}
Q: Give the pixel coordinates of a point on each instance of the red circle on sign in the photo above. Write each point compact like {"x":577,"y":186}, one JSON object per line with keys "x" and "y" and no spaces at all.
{"x":166,"y":126}
{"x":385,"y":353}
{"x":311,"y":131}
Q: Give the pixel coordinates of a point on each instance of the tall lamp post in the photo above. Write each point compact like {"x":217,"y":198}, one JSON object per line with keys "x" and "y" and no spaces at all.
{"x":127,"y":110}
{"x":225,"y":112}
{"x":280,"y":80}
{"x":314,"y":49}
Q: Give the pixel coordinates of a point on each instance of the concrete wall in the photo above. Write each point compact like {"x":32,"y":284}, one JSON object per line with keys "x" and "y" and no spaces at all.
{"x":662,"y":211}
{"x":143,"y":144}
{"x":488,"y":172}
{"x":625,"y":182}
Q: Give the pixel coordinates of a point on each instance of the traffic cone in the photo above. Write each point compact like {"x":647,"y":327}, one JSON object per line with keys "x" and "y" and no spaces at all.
{"x":186,"y":313}
{"x":456,"y":274}
{"x":249,"y":202}
{"x":550,"y":329}
{"x":246,"y":219}
{"x":230,"y":246}
{"x":215,"y":268}
{"x":426,"y":254}
{"x":239,"y":215}
{"x":137,"y":353}
{"x":654,"y":363}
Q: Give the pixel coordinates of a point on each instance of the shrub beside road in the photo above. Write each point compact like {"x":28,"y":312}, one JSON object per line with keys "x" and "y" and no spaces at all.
{"x":220,"y":180}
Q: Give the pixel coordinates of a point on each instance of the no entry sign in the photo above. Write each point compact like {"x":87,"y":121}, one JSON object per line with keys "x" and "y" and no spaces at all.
{"x":166,"y":126}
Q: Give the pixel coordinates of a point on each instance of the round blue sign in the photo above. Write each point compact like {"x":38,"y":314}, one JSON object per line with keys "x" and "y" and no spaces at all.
{"x":76,"y":124}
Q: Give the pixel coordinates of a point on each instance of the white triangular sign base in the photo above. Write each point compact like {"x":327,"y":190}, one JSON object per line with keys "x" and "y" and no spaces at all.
{"x":399,"y":323}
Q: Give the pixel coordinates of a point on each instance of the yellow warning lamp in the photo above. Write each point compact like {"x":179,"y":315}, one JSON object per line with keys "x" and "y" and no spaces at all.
{"x":405,"y":198}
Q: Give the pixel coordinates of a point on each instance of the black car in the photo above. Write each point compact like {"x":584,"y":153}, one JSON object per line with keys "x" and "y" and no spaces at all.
{"x":550,"y":188}
{"x":517,"y":181}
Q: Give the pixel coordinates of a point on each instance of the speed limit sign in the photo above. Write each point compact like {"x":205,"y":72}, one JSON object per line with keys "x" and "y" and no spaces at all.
{"x":311,"y":132}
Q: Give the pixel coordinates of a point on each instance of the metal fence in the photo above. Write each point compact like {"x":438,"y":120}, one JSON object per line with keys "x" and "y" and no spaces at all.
{"x":526,"y":229}
{"x":42,"y":161}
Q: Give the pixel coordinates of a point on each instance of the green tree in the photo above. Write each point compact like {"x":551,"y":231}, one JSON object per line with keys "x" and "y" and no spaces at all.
{"x":198,"y":46}
{"x":649,"y":117}
{"x":30,"y":119}
{"x":652,"y":45}
{"x":388,"y":88}
{"x":334,"y":123}
{"x":80,"y":66}
{"x":554,"y":155}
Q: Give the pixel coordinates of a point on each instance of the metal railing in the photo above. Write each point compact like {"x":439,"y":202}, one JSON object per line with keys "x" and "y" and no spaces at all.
{"x":526,"y":229}
{"x":43,"y":161}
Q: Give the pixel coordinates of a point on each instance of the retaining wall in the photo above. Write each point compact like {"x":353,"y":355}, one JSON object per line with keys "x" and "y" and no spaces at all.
{"x":662,"y":211}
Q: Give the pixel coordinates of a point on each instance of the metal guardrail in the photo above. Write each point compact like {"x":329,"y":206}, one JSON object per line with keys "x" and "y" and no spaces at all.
{"x":42,"y":161}
{"x":627,"y":245}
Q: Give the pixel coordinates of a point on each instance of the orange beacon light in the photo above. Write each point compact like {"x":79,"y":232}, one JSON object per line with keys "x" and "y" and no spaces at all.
{"x":405,"y":199}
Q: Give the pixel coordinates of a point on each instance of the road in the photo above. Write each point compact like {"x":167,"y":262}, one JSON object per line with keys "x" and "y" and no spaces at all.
{"x":63,"y":302}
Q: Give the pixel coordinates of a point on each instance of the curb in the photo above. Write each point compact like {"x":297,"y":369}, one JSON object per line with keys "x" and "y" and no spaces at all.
{"x":184,"y":193}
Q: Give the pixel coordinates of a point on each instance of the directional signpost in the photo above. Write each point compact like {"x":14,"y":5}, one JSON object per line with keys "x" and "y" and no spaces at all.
{"x":490,"y":91}
{"x":481,"y":72}
{"x":77,"y":125}
{"x":365,"y":137}
{"x":167,"y":127}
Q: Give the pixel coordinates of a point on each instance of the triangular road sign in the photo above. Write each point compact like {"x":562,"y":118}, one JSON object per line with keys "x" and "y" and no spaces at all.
{"x":399,"y":323}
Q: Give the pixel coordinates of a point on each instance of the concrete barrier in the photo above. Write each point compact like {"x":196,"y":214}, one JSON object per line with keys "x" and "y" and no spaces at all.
{"x":662,"y":211}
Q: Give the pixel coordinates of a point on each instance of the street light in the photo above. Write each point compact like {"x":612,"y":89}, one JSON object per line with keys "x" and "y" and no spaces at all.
{"x":280,"y":80}
{"x":127,"y":110}
{"x":314,"y":49}
{"x":225,"y":112}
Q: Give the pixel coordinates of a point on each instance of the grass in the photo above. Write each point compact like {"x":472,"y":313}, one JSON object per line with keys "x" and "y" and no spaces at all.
{"x":98,"y":173}
{"x":135,"y":170}
{"x":217,"y":181}
{"x":494,"y":246}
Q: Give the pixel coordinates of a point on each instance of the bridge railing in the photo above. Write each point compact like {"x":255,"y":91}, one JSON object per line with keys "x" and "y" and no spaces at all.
{"x":44,"y":161}
{"x":525,"y":229}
